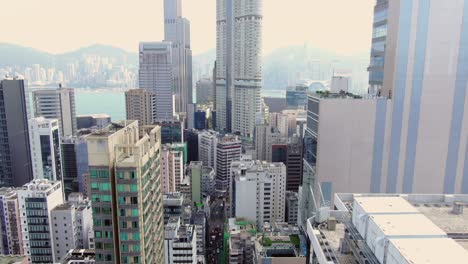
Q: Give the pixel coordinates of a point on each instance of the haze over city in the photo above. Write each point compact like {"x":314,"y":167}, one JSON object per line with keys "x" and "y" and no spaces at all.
{"x":62,"y":26}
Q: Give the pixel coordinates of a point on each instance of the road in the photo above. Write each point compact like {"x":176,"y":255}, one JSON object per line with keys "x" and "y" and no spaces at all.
{"x":215,"y":245}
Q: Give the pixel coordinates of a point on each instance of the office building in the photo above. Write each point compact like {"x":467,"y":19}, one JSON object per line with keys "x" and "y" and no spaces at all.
{"x":208,"y":181}
{"x":74,"y":165}
{"x":294,"y":163}
{"x":15,"y":152}
{"x":280,"y":121}
{"x":180,"y":242}
{"x":71,"y":224}
{"x":155,"y":75}
{"x":190,"y":116}
{"x":400,"y":143}
{"x":57,"y":104}
{"x":265,"y":137}
{"x":200,"y":120}
{"x":292,"y":207}
{"x":340,"y":84}
{"x":177,"y":31}
{"x":172,"y":168}
{"x":207,"y":142}
{"x":191,"y":140}
{"x":126,"y":193}
{"x":205,"y":93}
{"x":45,"y":148}
{"x":377,"y":53}
{"x":238,"y":65}
{"x":296,"y":97}
{"x":96,"y":121}
{"x":138,"y":105}
{"x":262,"y":182}
{"x":195,"y":172}
{"x":171,"y":132}
{"x":383,"y":228}
{"x":228,"y":149}
{"x":11,"y":242}
{"x":36,"y":201}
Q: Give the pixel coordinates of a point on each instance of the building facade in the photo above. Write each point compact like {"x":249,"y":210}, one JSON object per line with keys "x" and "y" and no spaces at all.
{"x":205,"y":93}
{"x":180,"y":244}
{"x":45,"y":148}
{"x":57,"y":104}
{"x":126,"y":193}
{"x":262,"y":182}
{"x":228,"y":149}
{"x":207,"y":142}
{"x":138,"y":105}
{"x":12,"y":241}
{"x":172,"y":169}
{"x":16,"y":165}
{"x":155,"y":75}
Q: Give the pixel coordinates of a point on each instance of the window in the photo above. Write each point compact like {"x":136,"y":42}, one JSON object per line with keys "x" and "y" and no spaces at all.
{"x":93,"y":174}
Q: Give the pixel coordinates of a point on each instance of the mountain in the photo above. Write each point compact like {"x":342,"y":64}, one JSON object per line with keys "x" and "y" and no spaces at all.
{"x":16,"y":55}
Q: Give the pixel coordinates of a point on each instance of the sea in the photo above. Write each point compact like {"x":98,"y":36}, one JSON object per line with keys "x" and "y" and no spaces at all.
{"x":112,"y":102}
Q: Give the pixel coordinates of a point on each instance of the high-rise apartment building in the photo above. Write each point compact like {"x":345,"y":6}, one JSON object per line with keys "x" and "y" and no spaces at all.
{"x":155,"y":75}
{"x":207,"y":141}
{"x":126,"y":193}
{"x":45,"y":148}
{"x":11,"y":242}
{"x":228,"y":149}
{"x":138,"y":103}
{"x":15,"y":152}
{"x":258,"y":191}
{"x":238,"y":65}
{"x":57,"y":104}
{"x":36,"y":201}
{"x":177,"y":31}
{"x":172,"y":169}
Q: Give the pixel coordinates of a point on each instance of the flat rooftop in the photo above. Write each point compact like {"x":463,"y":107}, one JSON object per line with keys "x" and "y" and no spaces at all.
{"x":431,"y":251}
{"x":407,"y":225}
{"x":376,"y":205}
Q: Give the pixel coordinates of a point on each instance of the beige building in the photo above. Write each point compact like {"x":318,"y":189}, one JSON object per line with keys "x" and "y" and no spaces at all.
{"x":126,"y":193}
{"x":138,"y":106}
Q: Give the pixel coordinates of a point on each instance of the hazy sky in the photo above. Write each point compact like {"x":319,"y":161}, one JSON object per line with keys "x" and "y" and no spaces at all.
{"x":343,"y":26}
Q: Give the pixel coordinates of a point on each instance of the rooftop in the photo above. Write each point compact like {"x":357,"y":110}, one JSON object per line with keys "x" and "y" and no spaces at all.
{"x":407,"y":225}
{"x":431,"y":251}
{"x":112,"y":128}
{"x":11,"y":259}
{"x":373,"y":205}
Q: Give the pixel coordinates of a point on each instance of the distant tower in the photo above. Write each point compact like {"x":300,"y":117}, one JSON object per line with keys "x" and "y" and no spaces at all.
{"x":156,"y":76}
{"x":238,"y":69}
{"x":177,"y":31}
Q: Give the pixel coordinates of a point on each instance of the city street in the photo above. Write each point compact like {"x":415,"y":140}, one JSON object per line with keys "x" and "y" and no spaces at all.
{"x":215,"y":243}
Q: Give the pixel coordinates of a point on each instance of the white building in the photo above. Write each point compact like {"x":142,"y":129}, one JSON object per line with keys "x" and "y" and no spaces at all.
{"x":262,"y":182}
{"x":37,"y":199}
{"x":71,"y":223}
{"x":45,"y":148}
{"x":228,"y":149}
{"x":390,"y":228}
{"x":177,"y":31}
{"x":265,"y":137}
{"x":207,"y":141}
{"x":208,"y":181}
{"x":340,"y":83}
{"x":156,"y":75}
{"x":238,"y":65}
{"x":172,"y":169}
{"x":57,"y":104}
{"x":180,"y":242}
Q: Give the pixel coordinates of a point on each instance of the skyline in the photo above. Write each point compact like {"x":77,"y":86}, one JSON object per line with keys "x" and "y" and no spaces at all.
{"x":62,"y":26}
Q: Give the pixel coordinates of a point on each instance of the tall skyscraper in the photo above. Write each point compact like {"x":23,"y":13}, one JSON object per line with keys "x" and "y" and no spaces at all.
{"x":126,"y":193}
{"x":413,"y":138}
{"x":379,"y":41}
{"x":138,"y":106}
{"x":57,"y":104}
{"x":238,"y":65}
{"x":15,"y":152}
{"x":177,"y":31}
{"x":46,"y":148}
{"x":156,"y":76}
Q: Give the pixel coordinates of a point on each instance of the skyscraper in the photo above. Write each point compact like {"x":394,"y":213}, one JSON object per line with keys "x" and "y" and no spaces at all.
{"x":59,"y":104}
{"x":126,"y":193}
{"x":238,"y":65}
{"x":45,"y":148}
{"x":379,"y":41}
{"x":156,"y":76}
{"x":15,"y":152}
{"x":228,"y":149}
{"x":177,"y":31}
